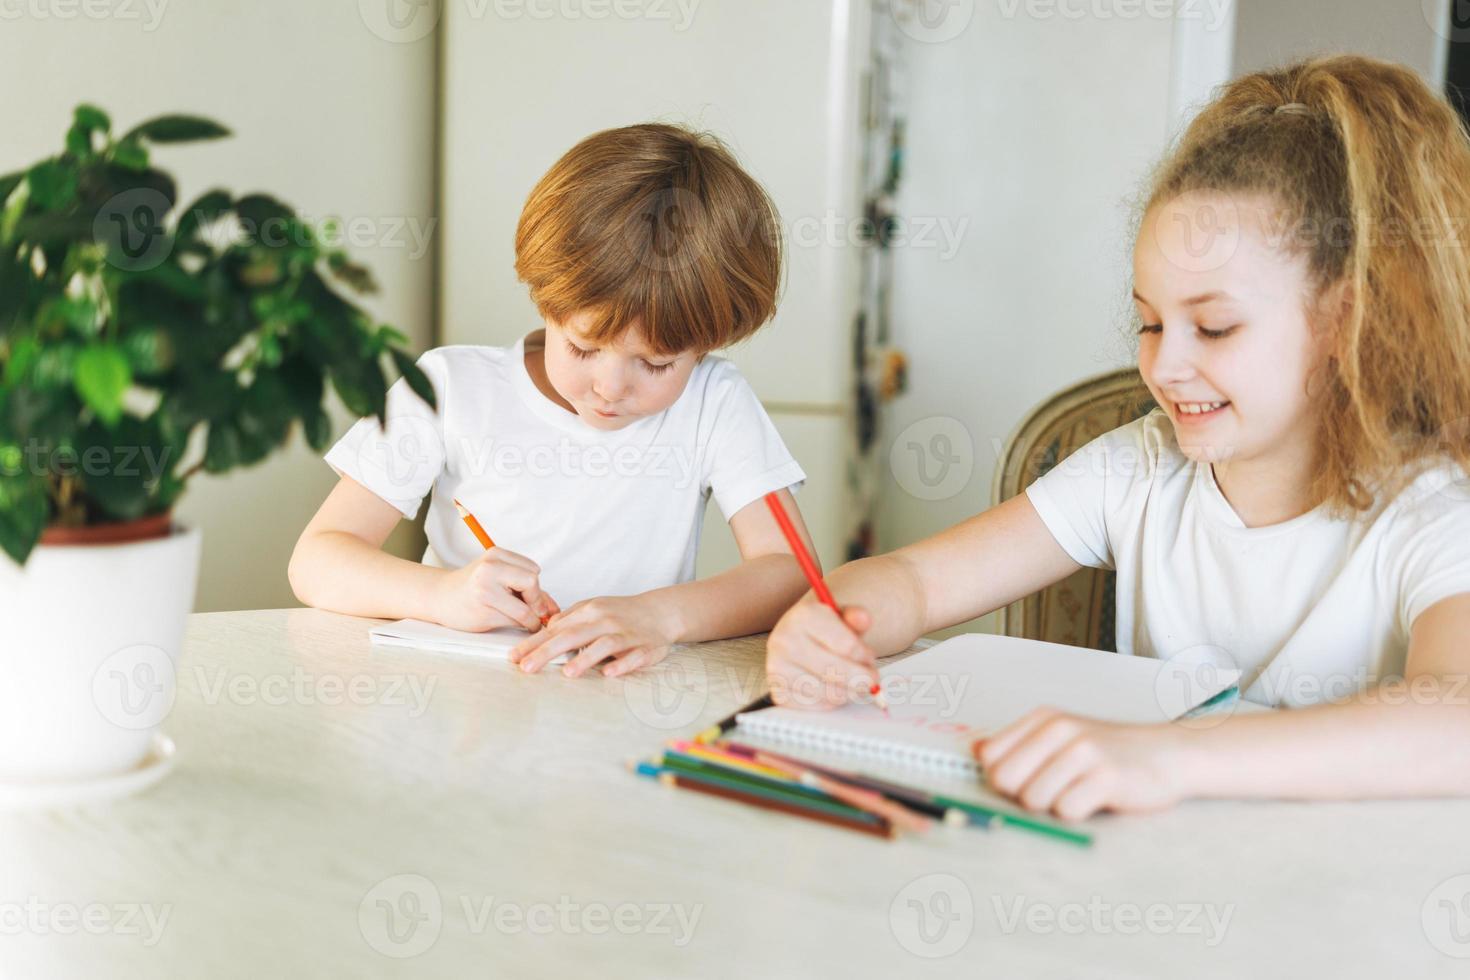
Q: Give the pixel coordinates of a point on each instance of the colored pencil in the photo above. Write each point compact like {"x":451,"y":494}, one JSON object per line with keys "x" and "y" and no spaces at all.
{"x":478,"y":531}
{"x":782,"y":787}
{"x":720,"y":758}
{"x":713,"y":787}
{"x":912,"y":798}
{"x":813,"y":574}
{"x":862,"y":799}
{"x":1007,"y":818}
{"x":717,"y":731}
{"x":474,"y":525}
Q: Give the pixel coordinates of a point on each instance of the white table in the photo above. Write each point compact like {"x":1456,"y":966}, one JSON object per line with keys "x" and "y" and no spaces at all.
{"x":315,"y":794}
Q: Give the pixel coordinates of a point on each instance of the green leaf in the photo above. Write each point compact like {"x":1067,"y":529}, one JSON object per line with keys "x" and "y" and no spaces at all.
{"x":317,"y":428}
{"x":130,"y":155}
{"x":255,"y":210}
{"x":9,"y":183}
{"x":177,"y":129}
{"x":207,"y":208}
{"x":102,"y":376}
{"x":22,"y":356}
{"x":149,"y":351}
{"x":15,"y":207}
{"x":23,"y":514}
{"x":121,"y":467}
{"x":222,"y":448}
{"x":86,"y":120}
{"x":91,"y":117}
{"x":417,"y":380}
{"x":53,"y":185}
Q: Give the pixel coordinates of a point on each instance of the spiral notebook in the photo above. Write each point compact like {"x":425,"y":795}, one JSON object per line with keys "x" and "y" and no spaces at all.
{"x":441,"y":639}
{"x":943,"y":698}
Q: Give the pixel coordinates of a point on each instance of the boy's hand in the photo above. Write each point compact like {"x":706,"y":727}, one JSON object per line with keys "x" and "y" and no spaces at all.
{"x":498,"y":589}
{"x":816,"y":659}
{"x":632,"y":631}
{"x":1051,"y":761}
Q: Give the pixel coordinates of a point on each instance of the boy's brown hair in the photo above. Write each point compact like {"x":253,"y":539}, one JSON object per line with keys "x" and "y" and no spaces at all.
{"x":1370,"y":170}
{"x":655,"y":224}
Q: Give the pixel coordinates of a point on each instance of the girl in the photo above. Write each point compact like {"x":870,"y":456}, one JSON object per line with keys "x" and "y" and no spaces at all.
{"x":1297,"y":506}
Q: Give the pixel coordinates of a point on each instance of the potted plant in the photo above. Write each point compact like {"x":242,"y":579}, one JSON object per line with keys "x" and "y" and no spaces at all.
{"x":140,"y":345}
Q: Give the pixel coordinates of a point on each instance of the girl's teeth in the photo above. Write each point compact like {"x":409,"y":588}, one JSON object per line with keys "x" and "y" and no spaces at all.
{"x":1199,"y":408}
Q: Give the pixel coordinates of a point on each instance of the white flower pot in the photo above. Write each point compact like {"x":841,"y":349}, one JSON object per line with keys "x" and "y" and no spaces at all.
{"x":90,"y":636}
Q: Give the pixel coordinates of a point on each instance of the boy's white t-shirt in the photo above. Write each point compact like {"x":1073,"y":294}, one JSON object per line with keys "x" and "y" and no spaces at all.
{"x":602,"y":513}
{"x":1311,"y":609}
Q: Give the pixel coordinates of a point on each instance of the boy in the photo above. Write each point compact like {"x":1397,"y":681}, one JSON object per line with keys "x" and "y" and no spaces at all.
{"x":591,"y":444}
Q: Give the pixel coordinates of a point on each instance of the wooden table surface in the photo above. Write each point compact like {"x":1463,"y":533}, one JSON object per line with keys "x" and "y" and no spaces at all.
{"x":340,"y":810}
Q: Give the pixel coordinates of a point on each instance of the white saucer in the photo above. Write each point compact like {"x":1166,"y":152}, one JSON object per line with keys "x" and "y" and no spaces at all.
{"x":50,"y":795}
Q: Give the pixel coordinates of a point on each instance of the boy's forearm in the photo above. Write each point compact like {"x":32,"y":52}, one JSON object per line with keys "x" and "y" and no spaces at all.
{"x":337,"y":571}
{"x":747,"y":599}
{"x":1389,"y":743}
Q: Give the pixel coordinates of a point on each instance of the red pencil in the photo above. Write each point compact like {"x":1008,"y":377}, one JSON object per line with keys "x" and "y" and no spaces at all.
{"x":809,"y":568}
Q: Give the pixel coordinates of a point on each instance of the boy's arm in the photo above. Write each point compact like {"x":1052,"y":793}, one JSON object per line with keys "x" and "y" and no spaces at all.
{"x":339,"y":564}
{"x":748,"y":598}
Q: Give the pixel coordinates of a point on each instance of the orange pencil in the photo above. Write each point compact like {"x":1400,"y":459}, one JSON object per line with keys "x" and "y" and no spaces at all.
{"x":479,"y":532}
{"x":474,"y":526}
{"x":809,"y":568}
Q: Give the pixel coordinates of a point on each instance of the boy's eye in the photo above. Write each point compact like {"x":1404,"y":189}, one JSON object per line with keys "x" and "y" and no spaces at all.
{"x":579,"y":352}
{"x":658,"y":368}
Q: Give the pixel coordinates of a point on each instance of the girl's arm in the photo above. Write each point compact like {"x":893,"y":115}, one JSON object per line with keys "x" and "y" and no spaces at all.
{"x":889,"y":601}
{"x":1398,"y":739}
{"x":339,"y":564}
{"x":1409,"y":738}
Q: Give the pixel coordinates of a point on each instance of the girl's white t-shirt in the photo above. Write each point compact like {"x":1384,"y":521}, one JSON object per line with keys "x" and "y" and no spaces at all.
{"x":602,"y":513}
{"x":1312,"y":609}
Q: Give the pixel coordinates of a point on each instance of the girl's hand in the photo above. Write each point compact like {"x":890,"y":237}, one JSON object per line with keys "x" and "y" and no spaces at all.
{"x":816,"y":659}
{"x":632,"y":631}
{"x":498,"y":589}
{"x":1050,"y":761}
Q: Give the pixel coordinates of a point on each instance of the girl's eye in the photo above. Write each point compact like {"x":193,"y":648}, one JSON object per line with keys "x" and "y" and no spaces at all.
{"x":580,"y":353}
{"x":1216,"y":334}
{"x":1151,"y":328}
{"x":658,"y":368}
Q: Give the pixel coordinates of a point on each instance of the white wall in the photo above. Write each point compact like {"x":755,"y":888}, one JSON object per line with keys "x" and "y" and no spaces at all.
{"x":327,"y":115}
{"x":1037,"y":131}
{"x":1272,"y":32}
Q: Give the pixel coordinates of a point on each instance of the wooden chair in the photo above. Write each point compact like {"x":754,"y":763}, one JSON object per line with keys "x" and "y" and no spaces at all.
{"x":1078,"y":610}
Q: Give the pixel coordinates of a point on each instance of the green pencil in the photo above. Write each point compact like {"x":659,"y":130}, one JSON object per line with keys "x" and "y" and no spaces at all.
{"x":1018,"y":820}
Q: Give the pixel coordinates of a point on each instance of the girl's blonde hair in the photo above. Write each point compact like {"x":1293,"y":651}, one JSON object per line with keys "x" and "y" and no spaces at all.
{"x":1370,"y":171}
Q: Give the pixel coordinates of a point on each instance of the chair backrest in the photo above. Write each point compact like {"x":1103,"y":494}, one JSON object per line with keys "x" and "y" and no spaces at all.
{"x":1079,"y":609}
